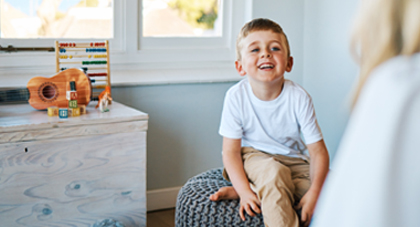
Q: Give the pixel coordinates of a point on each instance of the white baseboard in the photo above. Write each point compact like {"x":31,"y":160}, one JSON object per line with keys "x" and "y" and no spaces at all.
{"x":162,"y":198}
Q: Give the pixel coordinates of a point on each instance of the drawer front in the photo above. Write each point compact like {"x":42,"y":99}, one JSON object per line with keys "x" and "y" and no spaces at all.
{"x":58,"y":131}
{"x":75,"y":181}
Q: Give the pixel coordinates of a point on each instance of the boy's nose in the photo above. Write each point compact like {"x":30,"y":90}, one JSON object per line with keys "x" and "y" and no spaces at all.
{"x":265,"y":55}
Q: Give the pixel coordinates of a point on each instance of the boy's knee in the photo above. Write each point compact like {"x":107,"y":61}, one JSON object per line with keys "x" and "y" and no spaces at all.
{"x":279,"y":170}
{"x":276,"y":175}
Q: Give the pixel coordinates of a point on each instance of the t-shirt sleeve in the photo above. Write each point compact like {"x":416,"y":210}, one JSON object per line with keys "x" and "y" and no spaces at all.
{"x":307,"y":120}
{"x":231,"y":124}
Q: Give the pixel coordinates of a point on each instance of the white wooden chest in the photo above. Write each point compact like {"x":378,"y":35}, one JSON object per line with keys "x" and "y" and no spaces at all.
{"x":75,"y":171}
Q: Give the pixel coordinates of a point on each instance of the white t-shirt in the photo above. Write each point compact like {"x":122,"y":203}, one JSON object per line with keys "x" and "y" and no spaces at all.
{"x":272,"y":126}
{"x":375,"y":175}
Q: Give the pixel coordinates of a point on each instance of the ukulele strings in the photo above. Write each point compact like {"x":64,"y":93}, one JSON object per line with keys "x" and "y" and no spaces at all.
{"x":19,"y":93}
{"x":94,"y":77}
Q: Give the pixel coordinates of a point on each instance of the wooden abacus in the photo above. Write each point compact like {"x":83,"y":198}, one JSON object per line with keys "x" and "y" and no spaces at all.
{"x":90,"y":57}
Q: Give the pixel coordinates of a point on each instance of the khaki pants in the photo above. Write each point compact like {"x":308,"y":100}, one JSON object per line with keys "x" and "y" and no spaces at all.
{"x":279,"y":182}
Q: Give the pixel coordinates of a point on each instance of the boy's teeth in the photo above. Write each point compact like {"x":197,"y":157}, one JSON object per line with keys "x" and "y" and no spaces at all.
{"x":266,"y":67}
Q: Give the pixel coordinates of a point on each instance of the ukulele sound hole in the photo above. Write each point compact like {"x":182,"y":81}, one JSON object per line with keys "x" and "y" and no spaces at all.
{"x":48,"y":92}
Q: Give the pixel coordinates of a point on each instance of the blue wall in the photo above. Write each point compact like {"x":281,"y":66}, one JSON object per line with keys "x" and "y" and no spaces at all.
{"x":329,"y":70}
{"x":182,"y":138}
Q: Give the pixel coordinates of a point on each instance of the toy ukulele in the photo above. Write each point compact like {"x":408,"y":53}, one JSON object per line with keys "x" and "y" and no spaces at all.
{"x":104,"y":99}
{"x":44,"y":92}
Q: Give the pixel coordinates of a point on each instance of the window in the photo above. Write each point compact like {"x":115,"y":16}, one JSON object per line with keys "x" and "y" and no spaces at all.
{"x":74,"y":19}
{"x":137,"y":54}
{"x":182,"y":18}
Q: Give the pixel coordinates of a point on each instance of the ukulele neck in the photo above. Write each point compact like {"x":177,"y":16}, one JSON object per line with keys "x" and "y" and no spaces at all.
{"x":14,"y":95}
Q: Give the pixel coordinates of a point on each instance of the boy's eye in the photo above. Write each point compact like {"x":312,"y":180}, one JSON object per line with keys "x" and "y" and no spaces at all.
{"x":275,"y":49}
{"x":255,"y":50}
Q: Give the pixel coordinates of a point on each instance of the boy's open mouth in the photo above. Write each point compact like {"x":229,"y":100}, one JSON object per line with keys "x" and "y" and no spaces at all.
{"x":266,"y":66}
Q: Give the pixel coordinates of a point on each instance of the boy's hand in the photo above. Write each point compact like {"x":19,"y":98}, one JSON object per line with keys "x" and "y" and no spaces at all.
{"x":318,"y":172}
{"x":249,"y":203}
{"x":307,"y":204}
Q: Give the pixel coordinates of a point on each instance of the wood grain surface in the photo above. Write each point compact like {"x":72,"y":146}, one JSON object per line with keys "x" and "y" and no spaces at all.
{"x":76,"y":184}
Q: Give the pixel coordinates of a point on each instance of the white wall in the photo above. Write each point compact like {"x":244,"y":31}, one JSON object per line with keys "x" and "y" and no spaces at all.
{"x":329,"y":70}
{"x":289,"y":14}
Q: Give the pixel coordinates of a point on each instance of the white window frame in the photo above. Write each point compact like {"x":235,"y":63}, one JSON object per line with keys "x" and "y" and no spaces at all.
{"x":141,"y":60}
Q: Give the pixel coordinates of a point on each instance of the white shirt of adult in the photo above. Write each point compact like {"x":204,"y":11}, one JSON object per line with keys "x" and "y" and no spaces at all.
{"x":271,"y":126}
{"x":375,"y":175}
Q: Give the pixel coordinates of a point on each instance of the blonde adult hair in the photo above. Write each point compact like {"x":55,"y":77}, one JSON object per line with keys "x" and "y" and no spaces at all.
{"x":259,"y":24}
{"x":384,"y":29}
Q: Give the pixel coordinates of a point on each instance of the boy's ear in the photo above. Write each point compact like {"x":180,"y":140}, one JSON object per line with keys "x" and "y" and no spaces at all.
{"x":239,"y":68}
{"x":289,"y":64}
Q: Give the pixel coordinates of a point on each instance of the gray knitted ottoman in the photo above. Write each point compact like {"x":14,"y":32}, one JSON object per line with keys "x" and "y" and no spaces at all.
{"x":193,"y":207}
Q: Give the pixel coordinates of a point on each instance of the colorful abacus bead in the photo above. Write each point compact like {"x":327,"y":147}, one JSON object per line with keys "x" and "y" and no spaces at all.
{"x":99,"y":44}
{"x":95,"y":49}
{"x":97,"y":74}
{"x":94,"y":62}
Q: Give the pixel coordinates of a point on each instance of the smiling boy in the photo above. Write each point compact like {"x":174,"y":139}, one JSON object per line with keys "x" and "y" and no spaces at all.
{"x":263,"y":119}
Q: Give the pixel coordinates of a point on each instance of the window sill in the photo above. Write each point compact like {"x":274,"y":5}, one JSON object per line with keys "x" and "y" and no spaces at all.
{"x":135,"y":74}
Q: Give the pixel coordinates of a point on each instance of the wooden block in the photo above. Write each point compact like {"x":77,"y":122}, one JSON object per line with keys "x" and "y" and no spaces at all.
{"x":72,"y":103}
{"x":63,"y":113}
{"x":74,"y":112}
{"x":82,"y":109}
{"x":52,"y":111}
{"x":71,"y":95}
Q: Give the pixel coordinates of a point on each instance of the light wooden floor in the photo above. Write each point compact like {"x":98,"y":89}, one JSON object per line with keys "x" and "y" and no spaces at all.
{"x":161,"y":218}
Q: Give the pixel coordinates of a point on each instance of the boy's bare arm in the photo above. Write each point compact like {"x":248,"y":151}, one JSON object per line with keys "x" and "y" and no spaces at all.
{"x":318,"y":171}
{"x":232,"y":160}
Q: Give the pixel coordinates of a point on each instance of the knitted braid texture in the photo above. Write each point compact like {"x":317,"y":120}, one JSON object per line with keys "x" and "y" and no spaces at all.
{"x":193,"y":207}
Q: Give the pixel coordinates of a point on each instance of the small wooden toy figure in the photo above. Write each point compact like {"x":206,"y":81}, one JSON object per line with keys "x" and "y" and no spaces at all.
{"x":104,"y":99}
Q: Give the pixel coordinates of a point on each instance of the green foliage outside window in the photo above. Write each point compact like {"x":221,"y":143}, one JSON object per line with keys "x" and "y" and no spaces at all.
{"x":83,"y":3}
{"x":88,"y":3}
{"x":198,"y":13}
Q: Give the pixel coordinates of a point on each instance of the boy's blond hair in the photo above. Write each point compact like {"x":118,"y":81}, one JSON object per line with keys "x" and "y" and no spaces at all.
{"x":259,"y":24}
{"x":384,"y":29}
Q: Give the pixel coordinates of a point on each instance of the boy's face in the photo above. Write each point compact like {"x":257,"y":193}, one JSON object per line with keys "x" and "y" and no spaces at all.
{"x":264,"y":57}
